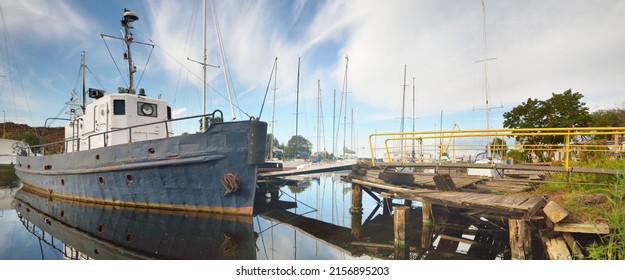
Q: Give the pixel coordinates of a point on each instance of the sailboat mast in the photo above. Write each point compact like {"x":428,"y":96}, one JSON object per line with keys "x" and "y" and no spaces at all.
{"x":82,"y":70}
{"x":318,"y":115}
{"x":485,"y":67}
{"x":204,"y":67}
{"x":273,"y":114}
{"x":223,"y":59}
{"x":403,"y":103}
{"x":413,"y":120}
{"x":297,"y":99}
{"x":345,"y":96}
{"x":334,"y":125}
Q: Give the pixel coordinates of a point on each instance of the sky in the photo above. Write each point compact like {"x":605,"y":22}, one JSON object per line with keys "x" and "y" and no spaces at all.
{"x":352,"y":54}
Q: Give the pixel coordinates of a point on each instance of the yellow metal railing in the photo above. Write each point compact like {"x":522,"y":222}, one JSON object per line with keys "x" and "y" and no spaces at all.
{"x":423,"y":146}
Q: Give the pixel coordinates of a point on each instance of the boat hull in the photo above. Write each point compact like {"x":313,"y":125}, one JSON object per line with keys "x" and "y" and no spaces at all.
{"x":176,"y":173}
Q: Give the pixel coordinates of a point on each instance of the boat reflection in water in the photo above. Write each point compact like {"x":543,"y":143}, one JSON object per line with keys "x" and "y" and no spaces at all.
{"x":87,"y":231}
{"x":290,"y":222}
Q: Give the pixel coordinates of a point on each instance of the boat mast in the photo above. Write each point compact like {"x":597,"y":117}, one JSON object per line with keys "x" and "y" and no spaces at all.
{"x":345,"y":116}
{"x":413,"y":155}
{"x":273,"y":114}
{"x":297,"y":101}
{"x":204,"y":67}
{"x":82,"y":70}
{"x":485,"y":61}
{"x":401,"y":129}
{"x":128,"y":18}
{"x":223,"y":59}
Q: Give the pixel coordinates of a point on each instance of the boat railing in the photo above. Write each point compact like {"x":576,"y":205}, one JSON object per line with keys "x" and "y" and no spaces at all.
{"x":36,"y":150}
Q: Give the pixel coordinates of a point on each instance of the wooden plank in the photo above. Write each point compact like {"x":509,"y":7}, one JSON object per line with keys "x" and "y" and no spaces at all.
{"x":573,"y":245}
{"x":599,"y":228}
{"x":555,"y":247}
{"x":555,"y":212}
{"x":397,"y":178}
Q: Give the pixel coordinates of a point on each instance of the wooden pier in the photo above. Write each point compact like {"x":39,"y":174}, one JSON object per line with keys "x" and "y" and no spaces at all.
{"x":479,"y":197}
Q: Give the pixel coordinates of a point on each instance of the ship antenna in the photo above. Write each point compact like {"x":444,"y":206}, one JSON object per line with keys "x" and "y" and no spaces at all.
{"x":128,"y":18}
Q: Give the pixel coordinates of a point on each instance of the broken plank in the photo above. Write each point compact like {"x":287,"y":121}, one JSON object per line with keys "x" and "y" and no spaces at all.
{"x":599,"y":228}
{"x":555,"y":212}
{"x":556,"y":248}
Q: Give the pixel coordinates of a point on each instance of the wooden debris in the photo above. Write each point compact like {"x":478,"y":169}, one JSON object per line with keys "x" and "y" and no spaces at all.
{"x":520,"y":239}
{"x":444,"y":182}
{"x":573,"y":246}
{"x":599,"y":228}
{"x":556,"y":248}
{"x":396,"y":178}
{"x":555,"y":212}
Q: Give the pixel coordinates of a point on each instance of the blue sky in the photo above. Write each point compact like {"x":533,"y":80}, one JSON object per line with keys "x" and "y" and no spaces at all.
{"x":541,"y":47}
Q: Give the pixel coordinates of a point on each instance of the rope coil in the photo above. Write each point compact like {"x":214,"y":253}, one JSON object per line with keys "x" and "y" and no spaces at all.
{"x":231,"y":183}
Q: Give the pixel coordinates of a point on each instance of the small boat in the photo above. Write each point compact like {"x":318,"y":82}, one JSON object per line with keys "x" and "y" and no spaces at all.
{"x":121,"y":151}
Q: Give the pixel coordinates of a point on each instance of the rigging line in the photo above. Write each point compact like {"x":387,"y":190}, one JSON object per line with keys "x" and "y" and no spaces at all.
{"x":145,"y":66}
{"x":223,"y":59}
{"x":268,"y":84}
{"x":96,"y":78}
{"x":112,"y":58}
{"x":199,"y":78}
{"x":10,"y":46}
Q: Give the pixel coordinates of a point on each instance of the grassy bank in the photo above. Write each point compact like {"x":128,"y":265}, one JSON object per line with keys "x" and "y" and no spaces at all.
{"x":592,"y":198}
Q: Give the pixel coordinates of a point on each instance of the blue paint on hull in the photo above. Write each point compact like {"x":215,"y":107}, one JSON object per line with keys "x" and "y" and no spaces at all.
{"x":175,"y":173}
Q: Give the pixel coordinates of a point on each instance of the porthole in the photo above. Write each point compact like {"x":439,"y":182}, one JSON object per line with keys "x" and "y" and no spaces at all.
{"x":128,"y":236}
{"x":62,"y":213}
{"x":130,"y":179}
{"x":151,"y":151}
{"x":100,"y":227}
{"x":101,"y":180}
{"x":97,"y":157}
{"x":62,"y":182}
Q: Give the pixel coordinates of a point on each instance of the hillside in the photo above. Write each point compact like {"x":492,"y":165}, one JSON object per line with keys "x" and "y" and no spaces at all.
{"x":47,"y":134}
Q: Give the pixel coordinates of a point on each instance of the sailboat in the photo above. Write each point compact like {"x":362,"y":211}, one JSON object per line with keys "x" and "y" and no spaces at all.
{"x":486,"y":157}
{"x":122,"y":151}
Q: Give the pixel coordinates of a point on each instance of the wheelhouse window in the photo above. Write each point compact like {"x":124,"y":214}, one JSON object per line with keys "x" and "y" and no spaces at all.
{"x":146,"y":109}
{"x":119,"y":107}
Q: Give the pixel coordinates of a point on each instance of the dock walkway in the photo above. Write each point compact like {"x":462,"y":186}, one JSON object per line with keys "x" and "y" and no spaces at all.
{"x":468,"y":192}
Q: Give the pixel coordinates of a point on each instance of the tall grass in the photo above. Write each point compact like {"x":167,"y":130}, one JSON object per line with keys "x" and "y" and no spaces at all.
{"x":612,"y":246}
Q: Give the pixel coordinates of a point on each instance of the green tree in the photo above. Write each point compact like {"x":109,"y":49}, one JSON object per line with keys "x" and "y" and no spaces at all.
{"x":561,"y":110}
{"x":297,"y":144}
{"x":608,"y":118}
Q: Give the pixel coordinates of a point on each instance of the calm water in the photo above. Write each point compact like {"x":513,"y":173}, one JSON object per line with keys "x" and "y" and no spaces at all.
{"x":309,"y":220}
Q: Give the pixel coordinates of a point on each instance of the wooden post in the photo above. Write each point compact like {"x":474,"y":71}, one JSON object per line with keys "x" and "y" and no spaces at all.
{"x":356,"y":200}
{"x":356,"y":210}
{"x":520,"y":239}
{"x":427,"y":232}
{"x":401,"y":215}
{"x":426,"y":210}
